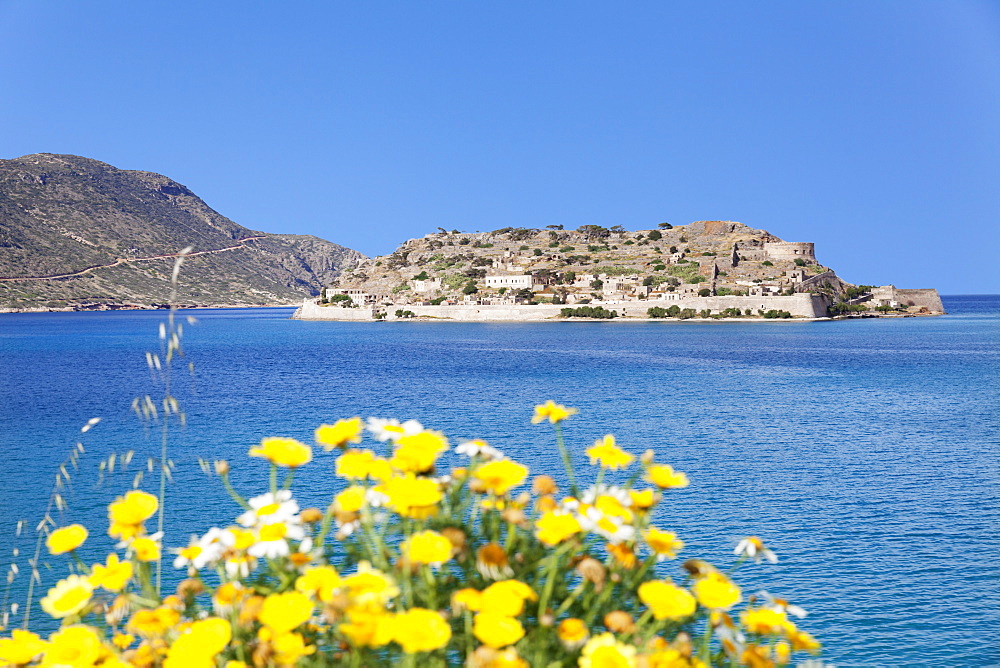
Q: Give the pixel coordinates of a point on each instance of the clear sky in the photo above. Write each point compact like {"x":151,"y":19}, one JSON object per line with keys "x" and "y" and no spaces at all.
{"x":870,"y":128}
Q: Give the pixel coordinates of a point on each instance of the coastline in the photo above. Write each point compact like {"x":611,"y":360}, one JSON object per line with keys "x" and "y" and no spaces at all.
{"x":802,"y":307}
{"x":134,"y":307}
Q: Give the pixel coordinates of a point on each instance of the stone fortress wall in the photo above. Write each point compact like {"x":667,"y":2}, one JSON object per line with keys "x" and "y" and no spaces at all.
{"x":803,"y":305}
{"x":790,"y":250}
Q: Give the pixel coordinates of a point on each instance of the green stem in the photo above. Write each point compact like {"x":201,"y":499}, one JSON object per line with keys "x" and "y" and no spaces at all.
{"x":703,"y":653}
{"x":233,"y":494}
{"x":324,"y":528}
{"x":567,"y":462}
{"x":431,"y":586}
{"x":599,"y":603}
{"x":571,"y":598}
{"x":274,"y":480}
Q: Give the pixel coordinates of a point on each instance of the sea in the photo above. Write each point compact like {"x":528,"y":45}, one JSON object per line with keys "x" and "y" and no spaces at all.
{"x":864,"y":452}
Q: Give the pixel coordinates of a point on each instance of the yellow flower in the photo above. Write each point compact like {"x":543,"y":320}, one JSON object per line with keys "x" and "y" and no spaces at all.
{"x":765,"y":621}
{"x":426,"y":547}
{"x":153,"y":623}
{"x":340,"y":433}
{"x":499,"y":477}
{"x":555,"y":527}
{"x":21,"y":647}
{"x":717,"y":592}
{"x":604,"y":651}
{"x":289,"y":648}
{"x":113,"y":575}
{"x":802,"y":640}
{"x":285,"y":452}
{"x":351,"y":500}
{"x":642,"y":499}
{"x":66,"y":539}
{"x":369,"y":629}
{"x":497,"y":630}
{"x":411,"y":496}
{"x":146,"y":549}
{"x":466,"y":599}
{"x":68,"y":597}
{"x":506,"y":598}
{"x":572,"y":633}
{"x":360,"y":464}
{"x":552,"y":412}
{"x":608,"y":454}
{"x":284,"y":612}
{"x":319,"y":581}
{"x":610,"y":506}
{"x":127,"y":513}
{"x":199,"y":643}
{"x":663,"y":543}
{"x":623,"y":554}
{"x":417,"y":453}
{"x":370,"y":589}
{"x":123,"y":640}
{"x":421,"y":630}
{"x":667,"y":600}
{"x":74,"y":646}
{"x":664,"y":477}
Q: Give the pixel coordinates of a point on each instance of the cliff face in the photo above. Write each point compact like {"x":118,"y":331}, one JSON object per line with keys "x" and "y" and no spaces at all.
{"x":64,"y":214}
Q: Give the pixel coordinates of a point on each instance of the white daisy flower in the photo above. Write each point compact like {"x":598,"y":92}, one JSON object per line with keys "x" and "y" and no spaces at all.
{"x":753,"y":547}
{"x":203,"y":551}
{"x":270,"y":509}
{"x":392,"y":430}
{"x":478,"y":447}
{"x":782,"y":605}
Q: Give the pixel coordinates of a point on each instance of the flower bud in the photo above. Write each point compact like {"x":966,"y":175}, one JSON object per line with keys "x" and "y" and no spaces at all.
{"x":647,"y":457}
{"x":592,"y":570}
{"x":544,"y":485}
{"x":311,"y":515}
{"x":455,"y":536}
{"x":619,"y":621}
{"x":190,"y":587}
{"x":514,"y":516}
{"x":221,"y":467}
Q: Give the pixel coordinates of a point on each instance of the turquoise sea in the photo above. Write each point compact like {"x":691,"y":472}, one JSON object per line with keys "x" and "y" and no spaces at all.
{"x":864,"y":451}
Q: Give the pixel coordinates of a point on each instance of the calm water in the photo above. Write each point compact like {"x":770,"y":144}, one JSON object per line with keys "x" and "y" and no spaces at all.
{"x":864,"y":451}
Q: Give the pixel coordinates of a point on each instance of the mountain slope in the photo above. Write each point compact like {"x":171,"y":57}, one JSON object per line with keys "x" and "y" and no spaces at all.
{"x":64,"y":214}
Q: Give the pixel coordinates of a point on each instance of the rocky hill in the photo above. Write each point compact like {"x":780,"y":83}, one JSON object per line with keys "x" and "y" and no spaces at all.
{"x":590,"y":263}
{"x":75,"y":232}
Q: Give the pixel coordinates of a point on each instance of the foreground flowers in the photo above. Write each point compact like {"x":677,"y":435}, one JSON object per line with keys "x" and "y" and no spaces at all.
{"x":412,"y":563}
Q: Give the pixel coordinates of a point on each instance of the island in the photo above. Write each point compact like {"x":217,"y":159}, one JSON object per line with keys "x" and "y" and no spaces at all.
{"x":705,"y":270}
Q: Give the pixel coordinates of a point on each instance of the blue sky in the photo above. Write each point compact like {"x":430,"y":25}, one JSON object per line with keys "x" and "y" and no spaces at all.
{"x":870,"y":128}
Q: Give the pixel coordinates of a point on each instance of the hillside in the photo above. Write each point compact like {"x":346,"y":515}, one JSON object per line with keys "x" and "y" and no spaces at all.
{"x":593,"y":263}
{"x":714,"y":268}
{"x":101,"y":233}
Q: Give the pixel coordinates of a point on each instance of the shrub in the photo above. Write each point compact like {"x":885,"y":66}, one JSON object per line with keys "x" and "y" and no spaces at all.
{"x":799,"y":262}
{"x":400,"y":313}
{"x":537,"y":252}
{"x":704,"y":292}
{"x":437,"y":301}
{"x":655,"y":235}
{"x":767,"y":263}
{"x":422,"y":276}
{"x":588,"y":312}
{"x":343,"y":300}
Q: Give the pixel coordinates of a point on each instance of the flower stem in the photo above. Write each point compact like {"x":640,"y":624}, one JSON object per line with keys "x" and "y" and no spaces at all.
{"x":567,"y":462}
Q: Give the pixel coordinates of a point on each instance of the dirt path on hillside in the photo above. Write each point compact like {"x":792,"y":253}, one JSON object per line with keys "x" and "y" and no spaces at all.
{"x":126,"y":260}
